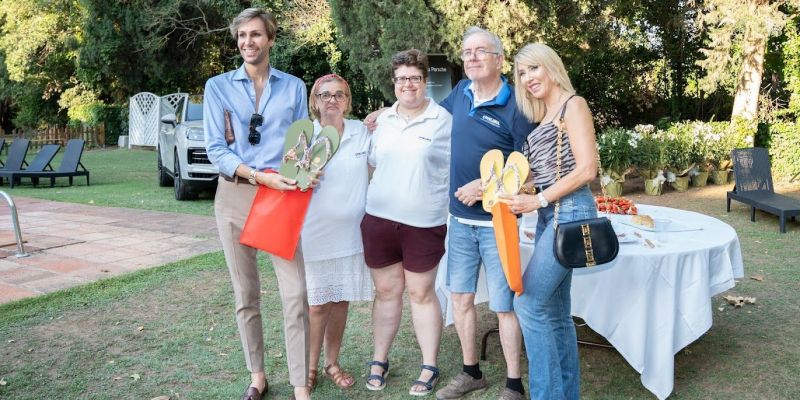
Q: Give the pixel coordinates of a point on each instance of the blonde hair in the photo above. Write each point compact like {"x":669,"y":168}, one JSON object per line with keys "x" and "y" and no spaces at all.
{"x":542,"y":55}
{"x":325,"y":79}
{"x":270,"y":23}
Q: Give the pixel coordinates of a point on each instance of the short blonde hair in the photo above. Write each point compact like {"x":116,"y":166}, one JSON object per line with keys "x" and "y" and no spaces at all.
{"x":319,"y":82}
{"x":542,"y":55}
{"x":270,"y":22}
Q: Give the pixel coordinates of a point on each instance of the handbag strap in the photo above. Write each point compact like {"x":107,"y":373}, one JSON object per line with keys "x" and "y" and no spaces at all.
{"x":559,"y":142}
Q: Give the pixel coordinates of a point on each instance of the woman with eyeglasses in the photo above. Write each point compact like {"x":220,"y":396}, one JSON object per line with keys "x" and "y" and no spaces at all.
{"x":332,"y":250}
{"x":246,"y":113}
{"x":405,"y":225}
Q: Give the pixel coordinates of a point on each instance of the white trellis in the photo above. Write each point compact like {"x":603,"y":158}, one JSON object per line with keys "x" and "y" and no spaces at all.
{"x":144,"y":119}
{"x":170,"y":102}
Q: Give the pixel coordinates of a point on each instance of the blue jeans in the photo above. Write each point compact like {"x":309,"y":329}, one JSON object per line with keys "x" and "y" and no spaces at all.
{"x":544,"y":308}
{"x":467,"y":246}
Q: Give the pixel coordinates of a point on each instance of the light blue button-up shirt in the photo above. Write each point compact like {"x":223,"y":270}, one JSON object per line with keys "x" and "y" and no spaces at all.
{"x":282,"y":102}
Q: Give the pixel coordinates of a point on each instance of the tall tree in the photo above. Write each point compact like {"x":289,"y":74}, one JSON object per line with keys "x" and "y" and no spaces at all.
{"x":739,"y":28}
{"x":39,"y":40}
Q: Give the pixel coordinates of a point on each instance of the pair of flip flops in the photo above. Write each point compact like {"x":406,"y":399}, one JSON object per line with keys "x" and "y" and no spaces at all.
{"x":304,"y":155}
{"x":499,"y":178}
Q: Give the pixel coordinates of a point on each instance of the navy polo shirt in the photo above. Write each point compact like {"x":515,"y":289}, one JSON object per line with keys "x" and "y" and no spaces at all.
{"x":495,"y":124}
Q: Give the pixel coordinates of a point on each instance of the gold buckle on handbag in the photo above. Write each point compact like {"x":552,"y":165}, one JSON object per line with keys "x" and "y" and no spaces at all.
{"x":587,"y":245}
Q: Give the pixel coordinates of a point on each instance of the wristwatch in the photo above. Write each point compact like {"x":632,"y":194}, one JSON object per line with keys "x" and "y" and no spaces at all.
{"x":252,"y":177}
{"x":542,"y":201}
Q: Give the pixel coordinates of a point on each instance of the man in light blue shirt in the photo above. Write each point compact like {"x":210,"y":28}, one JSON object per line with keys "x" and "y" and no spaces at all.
{"x":282,"y":101}
{"x":246,"y":114}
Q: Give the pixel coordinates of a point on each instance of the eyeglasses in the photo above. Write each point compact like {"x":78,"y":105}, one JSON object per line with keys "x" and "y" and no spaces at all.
{"x":401,"y":80}
{"x":479,"y":53}
{"x":327,"y":96}
{"x":255,"y":136}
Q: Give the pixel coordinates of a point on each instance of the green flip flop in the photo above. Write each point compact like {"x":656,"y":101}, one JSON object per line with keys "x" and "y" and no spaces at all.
{"x":295,"y":146}
{"x":319,"y":152}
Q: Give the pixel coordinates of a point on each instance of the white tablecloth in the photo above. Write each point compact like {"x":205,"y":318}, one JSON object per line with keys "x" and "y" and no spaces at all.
{"x":649,"y":303}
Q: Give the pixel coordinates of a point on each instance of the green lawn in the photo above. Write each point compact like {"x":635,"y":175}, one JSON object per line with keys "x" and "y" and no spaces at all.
{"x":170,"y":331}
{"x":119,"y":178}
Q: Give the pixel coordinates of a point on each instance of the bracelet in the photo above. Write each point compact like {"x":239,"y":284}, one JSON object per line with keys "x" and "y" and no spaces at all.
{"x":252,"y":177}
{"x":527,"y":190}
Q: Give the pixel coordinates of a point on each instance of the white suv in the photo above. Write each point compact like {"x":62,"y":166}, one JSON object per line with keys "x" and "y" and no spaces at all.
{"x":182,"y":158}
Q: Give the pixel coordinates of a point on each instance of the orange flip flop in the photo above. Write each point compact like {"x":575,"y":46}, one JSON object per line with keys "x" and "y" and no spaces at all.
{"x":506,"y":231}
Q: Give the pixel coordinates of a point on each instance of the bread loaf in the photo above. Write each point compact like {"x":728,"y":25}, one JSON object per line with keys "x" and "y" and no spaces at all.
{"x":644,"y":220}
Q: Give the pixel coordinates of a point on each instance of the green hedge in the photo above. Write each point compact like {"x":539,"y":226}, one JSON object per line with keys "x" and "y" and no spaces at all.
{"x":784,"y":149}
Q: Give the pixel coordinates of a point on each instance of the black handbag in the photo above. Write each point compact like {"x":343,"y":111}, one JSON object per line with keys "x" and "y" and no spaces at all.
{"x":587,"y":242}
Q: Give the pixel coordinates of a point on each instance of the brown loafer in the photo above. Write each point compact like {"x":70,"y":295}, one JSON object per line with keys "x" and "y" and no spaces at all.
{"x":253,"y":394}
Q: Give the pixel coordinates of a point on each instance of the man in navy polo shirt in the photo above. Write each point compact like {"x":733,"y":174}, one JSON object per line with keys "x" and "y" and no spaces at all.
{"x":485,"y":117}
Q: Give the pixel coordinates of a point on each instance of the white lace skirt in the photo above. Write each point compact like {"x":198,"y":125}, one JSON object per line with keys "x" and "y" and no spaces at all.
{"x":338,"y":279}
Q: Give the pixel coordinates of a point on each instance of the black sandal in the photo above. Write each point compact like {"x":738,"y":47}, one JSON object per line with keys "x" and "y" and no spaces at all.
{"x":380,"y":378}
{"x":428,"y":385}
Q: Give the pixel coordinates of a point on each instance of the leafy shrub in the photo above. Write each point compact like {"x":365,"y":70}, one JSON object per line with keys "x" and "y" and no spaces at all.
{"x":785,"y":149}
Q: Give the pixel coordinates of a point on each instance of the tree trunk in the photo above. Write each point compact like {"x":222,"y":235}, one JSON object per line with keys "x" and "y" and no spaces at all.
{"x":745,"y":102}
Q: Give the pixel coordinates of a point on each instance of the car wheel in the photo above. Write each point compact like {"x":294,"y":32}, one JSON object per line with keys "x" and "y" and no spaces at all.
{"x":164,"y":179}
{"x":181,"y":188}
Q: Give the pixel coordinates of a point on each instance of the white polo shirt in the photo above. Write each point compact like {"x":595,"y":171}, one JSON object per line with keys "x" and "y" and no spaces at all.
{"x":412,"y":167}
{"x":332,"y":225}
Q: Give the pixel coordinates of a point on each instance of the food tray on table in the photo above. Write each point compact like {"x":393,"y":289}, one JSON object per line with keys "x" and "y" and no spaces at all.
{"x":674,"y":226}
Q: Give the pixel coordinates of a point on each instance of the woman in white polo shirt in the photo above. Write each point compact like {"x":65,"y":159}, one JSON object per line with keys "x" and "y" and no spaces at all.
{"x":332,"y":250}
{"x":405,"y":225}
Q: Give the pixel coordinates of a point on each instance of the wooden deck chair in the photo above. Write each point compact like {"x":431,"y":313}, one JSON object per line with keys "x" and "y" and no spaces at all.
{"x":754,"y":187}
{"x":40,"y":163}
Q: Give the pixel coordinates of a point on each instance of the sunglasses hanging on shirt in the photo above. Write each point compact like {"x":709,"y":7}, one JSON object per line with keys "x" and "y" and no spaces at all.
{"x":256,"y":120}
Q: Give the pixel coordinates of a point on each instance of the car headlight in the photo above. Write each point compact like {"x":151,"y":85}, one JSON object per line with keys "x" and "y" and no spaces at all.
{"x":195,"y":134}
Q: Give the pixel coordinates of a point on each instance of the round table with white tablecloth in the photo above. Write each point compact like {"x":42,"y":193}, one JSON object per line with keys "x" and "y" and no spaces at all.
{"x":650,"y":302}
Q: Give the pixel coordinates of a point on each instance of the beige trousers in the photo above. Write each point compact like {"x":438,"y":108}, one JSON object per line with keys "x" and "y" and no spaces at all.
{"x":231,"y":207}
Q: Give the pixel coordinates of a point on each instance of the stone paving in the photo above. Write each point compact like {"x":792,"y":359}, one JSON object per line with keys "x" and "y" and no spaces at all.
{"x":74,"y":244}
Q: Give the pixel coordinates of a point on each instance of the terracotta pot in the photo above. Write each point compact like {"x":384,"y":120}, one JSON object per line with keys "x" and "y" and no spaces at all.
{"x":681,"y":183}
{"x":614,"y":189}
{"x":719,"y":177}
{"x":701,"y":179}
{"x":652,"y":187}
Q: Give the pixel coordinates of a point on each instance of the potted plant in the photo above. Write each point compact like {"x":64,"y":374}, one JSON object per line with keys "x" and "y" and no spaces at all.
{"x":679,"y":161}
{"x":719,"y":151}
{"x":649,"y":159}
{"x":614,"y":147}
{"x":700,"y":153}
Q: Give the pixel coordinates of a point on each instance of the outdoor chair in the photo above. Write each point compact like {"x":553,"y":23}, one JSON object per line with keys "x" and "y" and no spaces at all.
{"x":68,"y":167}
{"x":754,"y":186}
{"x":16,"y":155}
{"x":2,"y":147}
{"x":40,"y":163}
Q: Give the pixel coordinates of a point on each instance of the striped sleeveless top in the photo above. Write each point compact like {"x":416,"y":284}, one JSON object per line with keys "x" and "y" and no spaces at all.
{"x":540,"y":149}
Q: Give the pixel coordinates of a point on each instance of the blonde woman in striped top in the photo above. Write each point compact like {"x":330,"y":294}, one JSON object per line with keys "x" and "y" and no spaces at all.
{"x":545,"y":95}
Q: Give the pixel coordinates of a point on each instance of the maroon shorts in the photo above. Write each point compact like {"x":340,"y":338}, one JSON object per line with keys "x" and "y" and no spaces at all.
{"x":387,"y":242}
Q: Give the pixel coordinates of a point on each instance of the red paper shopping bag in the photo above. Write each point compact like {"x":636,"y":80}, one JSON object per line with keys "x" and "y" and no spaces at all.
{"x":275,"y":221}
